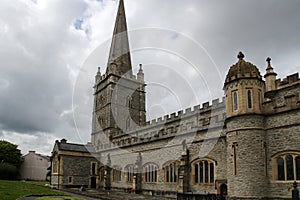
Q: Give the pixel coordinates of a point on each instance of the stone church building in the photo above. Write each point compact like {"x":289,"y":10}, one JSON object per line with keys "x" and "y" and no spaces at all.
{"x":246,"y":146}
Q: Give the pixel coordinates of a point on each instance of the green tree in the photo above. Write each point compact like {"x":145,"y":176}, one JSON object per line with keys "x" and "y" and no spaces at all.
{"x":8,"y":171}
{"x":9,"y":153}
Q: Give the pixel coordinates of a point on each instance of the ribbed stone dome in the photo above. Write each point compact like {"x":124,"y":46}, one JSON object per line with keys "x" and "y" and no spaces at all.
{"x":242,"y":69}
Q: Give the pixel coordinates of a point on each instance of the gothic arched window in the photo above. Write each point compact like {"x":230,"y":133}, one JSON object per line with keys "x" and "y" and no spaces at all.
{"x":212,"y":172}
{"x":150,"y":173}
{"x":249,"y":99}
{"x":206,"y":171}
{"x":280,"y":168}
{"x":171,"y":172}
{"x":203,"y":171}
{"x":235,"y":101}
{"x":287,"y":166}
{"x":196,"y":173}
{"x":297,"y":163}
{"x":129,"y":173}
{"x":93,"y":168}
{"x":117,"y":172}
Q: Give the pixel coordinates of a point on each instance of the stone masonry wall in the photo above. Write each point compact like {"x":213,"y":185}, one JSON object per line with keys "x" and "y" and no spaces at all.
{"x":246,"y":135}
{"x":77,"y":167}
{"x":283,"y":135}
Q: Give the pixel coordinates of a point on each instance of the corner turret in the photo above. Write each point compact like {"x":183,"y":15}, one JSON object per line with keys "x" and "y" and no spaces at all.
{"x":243,"y":88}
{"x":270,"y":77}
{"x":245,"y":135}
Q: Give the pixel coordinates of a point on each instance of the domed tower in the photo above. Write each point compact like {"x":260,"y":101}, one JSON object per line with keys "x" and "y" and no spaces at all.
{"x":244,"y":88}
{"x":246,"y":161}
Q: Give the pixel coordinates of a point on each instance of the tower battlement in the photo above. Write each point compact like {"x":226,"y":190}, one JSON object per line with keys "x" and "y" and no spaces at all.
{"x":190,"y":120}
{"x":286,"y":95}
{"x":198,"y":109}
{"x":287,"y":81}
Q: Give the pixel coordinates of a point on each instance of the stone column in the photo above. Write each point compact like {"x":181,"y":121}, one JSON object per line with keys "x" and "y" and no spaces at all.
{"x":137,"y":176}
{"x":183,"y":184}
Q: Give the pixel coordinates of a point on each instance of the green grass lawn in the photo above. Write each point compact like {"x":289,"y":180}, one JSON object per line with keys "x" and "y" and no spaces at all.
{"x":11,"y":190}
{"x":59,"y":198}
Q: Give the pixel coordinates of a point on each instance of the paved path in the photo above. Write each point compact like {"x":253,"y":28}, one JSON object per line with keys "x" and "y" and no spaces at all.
{"x":117,"y":195}
{"x":104,"y":195}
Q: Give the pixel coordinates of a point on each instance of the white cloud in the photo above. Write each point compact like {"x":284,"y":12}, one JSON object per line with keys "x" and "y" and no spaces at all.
{"x":41,"y":142}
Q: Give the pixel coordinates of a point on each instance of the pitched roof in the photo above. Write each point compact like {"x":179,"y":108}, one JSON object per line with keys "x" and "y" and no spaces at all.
{"x":76,"y":147}
{"x":39,"y":155}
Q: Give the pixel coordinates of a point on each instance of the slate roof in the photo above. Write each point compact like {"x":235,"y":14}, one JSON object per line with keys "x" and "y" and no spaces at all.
{"x":76,"y":147}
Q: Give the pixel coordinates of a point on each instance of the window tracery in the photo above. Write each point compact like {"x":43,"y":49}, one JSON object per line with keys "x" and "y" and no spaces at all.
{"x":171,"y":170}
{"x":204,"y":171}
{"x":150,"y":173}
{"x":287,"y":166}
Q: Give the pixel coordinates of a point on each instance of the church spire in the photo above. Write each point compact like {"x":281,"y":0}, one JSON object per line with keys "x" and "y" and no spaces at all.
{"x":119,"y":61}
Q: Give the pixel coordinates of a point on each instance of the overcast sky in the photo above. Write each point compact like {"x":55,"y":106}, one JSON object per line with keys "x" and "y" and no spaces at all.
{"x":50,"y":51}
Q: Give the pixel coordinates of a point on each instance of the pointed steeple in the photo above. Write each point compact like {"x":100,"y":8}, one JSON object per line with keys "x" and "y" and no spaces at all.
{"x":119,"y":61}
{"x":140,"y":74}
{"x":98,"y":76}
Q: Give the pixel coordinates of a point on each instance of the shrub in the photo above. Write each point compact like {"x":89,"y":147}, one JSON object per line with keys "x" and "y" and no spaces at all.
{"x":8,"y":171}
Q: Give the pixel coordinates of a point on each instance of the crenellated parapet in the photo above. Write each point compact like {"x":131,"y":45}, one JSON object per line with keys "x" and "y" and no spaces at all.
{"x":129,"y":76}
{"x":191,"y":111}
{"x":287,"y":81}
{"x":191,"y":120}
{"x":285,"y":97}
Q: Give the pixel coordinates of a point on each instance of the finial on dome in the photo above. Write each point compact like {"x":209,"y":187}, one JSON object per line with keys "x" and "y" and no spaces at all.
{"x":141,"y":67}
{"x":269,"y":67}
{"x":269,"y":60}
{"x":241,"y":56}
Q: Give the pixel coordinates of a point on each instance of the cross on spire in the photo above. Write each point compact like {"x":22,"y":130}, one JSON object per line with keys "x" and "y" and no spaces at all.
{"x":241,"y":56}
{"x":269,"y":60}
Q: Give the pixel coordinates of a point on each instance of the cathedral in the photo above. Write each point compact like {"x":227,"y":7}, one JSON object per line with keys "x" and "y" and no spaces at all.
{"x":244,"y":146}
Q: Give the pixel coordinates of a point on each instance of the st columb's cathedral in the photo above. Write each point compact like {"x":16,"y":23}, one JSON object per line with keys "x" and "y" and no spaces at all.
{"x":246,"y":146}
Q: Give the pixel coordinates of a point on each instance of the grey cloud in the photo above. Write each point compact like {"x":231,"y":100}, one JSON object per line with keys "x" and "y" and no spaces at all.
{"x":42,"y":52}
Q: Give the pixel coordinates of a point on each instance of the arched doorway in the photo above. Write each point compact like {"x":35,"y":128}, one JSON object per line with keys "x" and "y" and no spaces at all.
{"x":93,"y":182}
{"x":223,"y":191}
